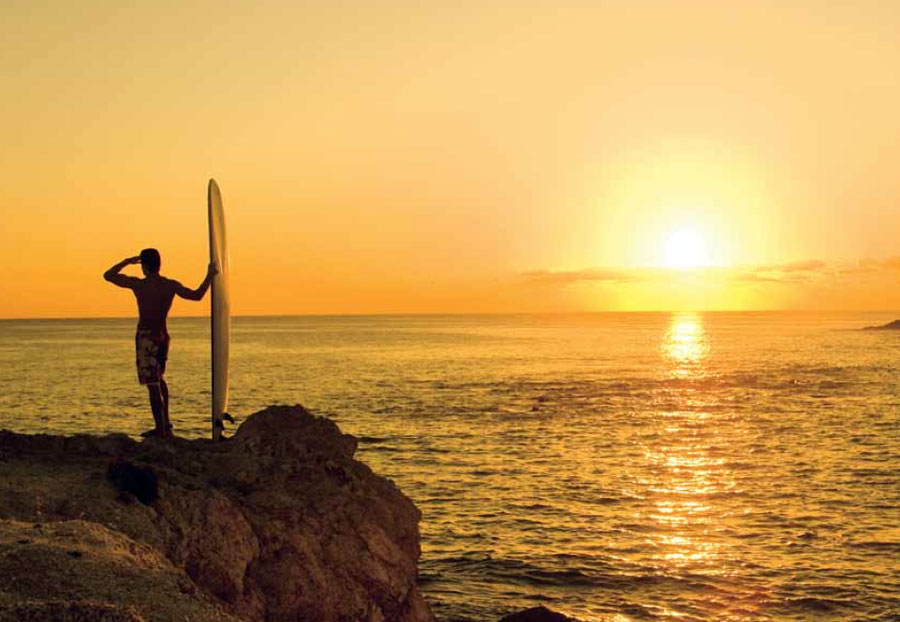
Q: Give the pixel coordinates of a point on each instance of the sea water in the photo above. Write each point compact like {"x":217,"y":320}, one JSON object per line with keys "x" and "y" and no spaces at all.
{"x":610,"y":466}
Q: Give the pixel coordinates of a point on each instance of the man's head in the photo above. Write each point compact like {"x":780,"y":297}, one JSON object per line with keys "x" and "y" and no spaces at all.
{"x":150,"y":261}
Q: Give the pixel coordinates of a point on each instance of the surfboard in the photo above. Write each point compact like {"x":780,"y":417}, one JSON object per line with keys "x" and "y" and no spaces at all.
{"x":220,"y":317}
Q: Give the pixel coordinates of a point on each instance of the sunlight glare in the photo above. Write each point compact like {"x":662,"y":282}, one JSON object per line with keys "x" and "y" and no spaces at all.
{"x":685,"y":248}
{"x":685,"y":343}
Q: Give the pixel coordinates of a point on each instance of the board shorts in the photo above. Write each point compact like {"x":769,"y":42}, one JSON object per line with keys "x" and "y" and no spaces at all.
{"x":151,"y":352}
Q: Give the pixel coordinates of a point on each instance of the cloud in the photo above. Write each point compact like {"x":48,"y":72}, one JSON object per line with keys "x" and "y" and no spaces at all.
{"x":891,"y":264}
{"x":791,"y":272}
{"x":568,"y":277}
{"x":807,"y":270}
{"x":755,"y":277}
{"x":795,"y":272}
{"x":809,"y":265}
{"x":869,"y":269}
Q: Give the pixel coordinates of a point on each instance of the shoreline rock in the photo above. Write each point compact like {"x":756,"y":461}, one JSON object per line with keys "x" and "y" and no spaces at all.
{"x":537,"y":614}
{"x":277,"y":523}
{"x":73,"y":570}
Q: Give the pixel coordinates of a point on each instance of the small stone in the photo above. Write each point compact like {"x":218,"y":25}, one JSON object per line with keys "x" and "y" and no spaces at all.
{"x":536,"y":614}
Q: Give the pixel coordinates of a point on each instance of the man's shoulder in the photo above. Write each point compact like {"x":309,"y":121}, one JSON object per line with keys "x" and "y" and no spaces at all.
{"x":156,"y":284}
{"x":170,"y":285}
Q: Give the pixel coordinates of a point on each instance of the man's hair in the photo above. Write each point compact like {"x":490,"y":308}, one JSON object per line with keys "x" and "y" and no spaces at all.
{"x":150,"y":259}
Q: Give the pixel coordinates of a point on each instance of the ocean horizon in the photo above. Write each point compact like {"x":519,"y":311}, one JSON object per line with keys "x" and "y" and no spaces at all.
{"x":875,"y":313}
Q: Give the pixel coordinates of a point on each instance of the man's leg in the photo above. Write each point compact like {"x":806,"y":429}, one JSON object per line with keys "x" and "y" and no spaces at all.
{"x":162,"y":357}
{"x":156,"y":405}
{"x":164,"y":394}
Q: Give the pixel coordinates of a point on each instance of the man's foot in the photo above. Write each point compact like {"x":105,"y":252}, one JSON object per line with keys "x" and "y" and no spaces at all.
{"x":157,"y":433}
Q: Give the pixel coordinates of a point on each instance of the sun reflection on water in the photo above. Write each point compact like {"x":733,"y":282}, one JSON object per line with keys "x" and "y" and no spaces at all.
{"x":686,"y":344}
{"x":686,"y":478}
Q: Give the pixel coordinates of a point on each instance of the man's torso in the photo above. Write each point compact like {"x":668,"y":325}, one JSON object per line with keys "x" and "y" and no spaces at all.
{"x":154,"y":298}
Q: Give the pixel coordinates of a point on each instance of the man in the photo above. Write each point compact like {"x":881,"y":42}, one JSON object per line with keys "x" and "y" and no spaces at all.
{"x":154,"y":295}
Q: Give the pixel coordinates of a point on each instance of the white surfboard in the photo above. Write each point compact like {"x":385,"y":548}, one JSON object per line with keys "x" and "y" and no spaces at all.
{"x":220,"y":316}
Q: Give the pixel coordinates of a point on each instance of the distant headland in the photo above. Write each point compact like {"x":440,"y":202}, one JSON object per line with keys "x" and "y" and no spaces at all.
{"x":895,"y":325}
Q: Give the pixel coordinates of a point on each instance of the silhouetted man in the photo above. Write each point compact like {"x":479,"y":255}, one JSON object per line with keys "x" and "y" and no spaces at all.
{"x":154,"y":295}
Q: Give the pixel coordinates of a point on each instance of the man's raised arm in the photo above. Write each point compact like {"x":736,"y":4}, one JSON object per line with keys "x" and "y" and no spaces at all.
{"x":113,"y":274}
{"x":200,"y":292}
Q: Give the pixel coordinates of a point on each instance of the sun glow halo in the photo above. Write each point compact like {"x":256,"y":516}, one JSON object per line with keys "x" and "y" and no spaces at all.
{"x":685,"y":248}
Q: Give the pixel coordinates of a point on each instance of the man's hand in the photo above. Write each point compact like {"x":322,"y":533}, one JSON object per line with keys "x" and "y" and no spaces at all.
{"x":197,"y":294}
{"x":112,"y":275}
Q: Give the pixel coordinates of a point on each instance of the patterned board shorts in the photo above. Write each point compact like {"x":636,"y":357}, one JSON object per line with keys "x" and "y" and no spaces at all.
{"x":151,"y":350}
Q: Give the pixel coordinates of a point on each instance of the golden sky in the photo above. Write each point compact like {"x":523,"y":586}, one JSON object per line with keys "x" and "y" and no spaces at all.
{"x":455,"y":156}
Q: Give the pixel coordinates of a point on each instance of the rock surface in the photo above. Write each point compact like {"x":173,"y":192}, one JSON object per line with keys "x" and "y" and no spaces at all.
{"x":69,"y":571}
{"x":895,"y":325}
{"x":536,"y":614}
{"x":277,"y":523}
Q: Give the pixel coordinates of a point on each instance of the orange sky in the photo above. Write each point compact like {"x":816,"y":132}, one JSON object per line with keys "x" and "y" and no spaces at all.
{"x":454,"y":156}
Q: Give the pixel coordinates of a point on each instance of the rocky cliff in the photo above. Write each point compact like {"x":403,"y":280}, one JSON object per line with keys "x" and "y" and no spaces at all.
{"x":277,"y":523}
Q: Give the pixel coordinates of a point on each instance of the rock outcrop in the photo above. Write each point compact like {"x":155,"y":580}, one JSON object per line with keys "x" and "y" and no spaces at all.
{"x":895,"y":325}
{"x":73,"y":571}
{"x":277,"y":523}
{"x":536,"y":614}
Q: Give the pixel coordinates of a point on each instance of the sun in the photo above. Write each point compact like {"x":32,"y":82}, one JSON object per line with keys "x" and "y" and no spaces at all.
{"x":685,"y":248}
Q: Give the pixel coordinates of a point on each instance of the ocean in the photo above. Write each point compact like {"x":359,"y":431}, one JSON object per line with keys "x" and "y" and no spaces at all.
{"x":614,"y":467}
